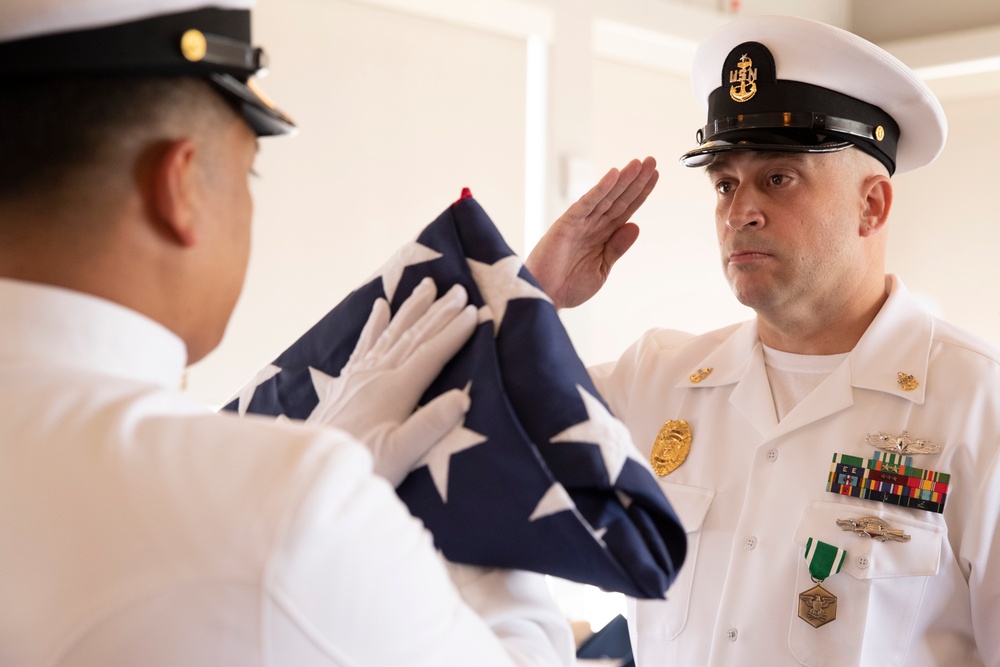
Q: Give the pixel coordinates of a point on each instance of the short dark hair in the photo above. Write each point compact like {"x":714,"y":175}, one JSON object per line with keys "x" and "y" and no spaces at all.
{"x":51,"y":129}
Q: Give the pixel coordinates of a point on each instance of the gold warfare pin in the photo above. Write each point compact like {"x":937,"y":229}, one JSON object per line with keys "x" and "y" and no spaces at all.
{"x":671,"y":447}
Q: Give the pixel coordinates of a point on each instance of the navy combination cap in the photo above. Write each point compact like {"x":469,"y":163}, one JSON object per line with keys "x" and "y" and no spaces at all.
{"x":58,"y":38}
{"x":787,"y":84}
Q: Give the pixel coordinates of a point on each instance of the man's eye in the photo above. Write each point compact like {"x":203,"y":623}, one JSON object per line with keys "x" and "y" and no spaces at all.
{"x":722,"y":187}
{"x":777,"y":179}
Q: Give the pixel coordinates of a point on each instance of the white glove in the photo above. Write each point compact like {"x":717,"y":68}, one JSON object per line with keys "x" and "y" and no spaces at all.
{"x":391,"y":367}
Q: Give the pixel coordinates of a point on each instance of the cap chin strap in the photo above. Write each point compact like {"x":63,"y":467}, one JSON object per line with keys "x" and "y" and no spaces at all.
{"x":818,"y":123}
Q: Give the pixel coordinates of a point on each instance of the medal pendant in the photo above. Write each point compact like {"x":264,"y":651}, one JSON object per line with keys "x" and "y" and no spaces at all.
{"x":817,"y":606}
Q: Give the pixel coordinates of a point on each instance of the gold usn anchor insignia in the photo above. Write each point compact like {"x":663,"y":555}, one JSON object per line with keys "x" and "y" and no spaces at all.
{"x":746,"y":75}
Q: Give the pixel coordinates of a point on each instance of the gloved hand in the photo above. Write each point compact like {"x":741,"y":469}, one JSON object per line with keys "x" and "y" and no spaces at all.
{"x":392,"y":365}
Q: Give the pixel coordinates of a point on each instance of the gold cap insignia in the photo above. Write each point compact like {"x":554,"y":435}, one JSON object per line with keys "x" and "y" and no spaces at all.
{"x":671,"y":447}
{"x":700,"y":375}
{"x":745,"y":75}
{"x":906,"y":381}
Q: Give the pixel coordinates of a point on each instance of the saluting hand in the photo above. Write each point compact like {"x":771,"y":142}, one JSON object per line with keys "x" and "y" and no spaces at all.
{"x":573,"y":259}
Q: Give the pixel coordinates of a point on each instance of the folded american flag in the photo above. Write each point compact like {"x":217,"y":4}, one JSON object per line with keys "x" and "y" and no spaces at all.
{"x":540,"y":477}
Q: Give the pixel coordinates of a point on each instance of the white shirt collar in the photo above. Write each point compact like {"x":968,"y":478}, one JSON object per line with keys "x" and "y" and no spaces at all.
{"x":59,"y":327}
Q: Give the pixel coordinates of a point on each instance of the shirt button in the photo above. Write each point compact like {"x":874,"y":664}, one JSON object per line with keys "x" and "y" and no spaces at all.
{"x":731,"y":634}
{"x":772,"y":455}
{"x":863,"y":562}
{"x":750,"y":544}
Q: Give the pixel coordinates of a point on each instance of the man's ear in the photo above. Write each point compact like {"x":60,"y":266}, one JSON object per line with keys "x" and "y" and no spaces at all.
{"x":173,"y":186}
{"x":877,"y":191}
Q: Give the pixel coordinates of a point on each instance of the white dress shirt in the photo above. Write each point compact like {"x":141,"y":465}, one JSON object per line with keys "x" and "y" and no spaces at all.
{"x":752,"y":491}
{"x":139,"y":528}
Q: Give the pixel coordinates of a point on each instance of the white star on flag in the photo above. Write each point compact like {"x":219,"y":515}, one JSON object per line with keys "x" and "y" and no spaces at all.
{"x":555,"y":500}
{"x":438,"y":459}
{"x":250,"y":388}
{"x":602,"y":429}
{"x":499,"y":283}
{"x":321,"y":382}
{"x":410,"y":254}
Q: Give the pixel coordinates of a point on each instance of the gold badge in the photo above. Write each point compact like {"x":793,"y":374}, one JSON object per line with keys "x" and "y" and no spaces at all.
{"x":700,"y":375}
{"x":879,"y":133}
{"x":817,"y":606}
{"x":906,"y":381}
{"x":671,"y":447}
{"x":745,"y":75}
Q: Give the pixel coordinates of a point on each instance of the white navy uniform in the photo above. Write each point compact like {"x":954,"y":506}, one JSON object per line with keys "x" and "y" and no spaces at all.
{"x":752,"y":491}
{"x":139,"y":528}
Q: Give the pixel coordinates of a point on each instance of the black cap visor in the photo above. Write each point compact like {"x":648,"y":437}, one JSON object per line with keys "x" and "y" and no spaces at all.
{"x":704,"y":154}
{"x":257,"y":109}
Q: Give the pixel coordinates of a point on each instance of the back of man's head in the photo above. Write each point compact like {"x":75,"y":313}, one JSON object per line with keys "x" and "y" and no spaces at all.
{"x":128,"y":135}
{"x":67,"y":140}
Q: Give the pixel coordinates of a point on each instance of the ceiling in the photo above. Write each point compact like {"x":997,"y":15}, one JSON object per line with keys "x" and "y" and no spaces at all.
{"x":875,"y":20}
{"x":892,"y":20}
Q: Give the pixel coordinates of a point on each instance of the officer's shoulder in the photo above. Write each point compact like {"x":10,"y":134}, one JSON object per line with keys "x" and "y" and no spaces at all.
{"x":674,"y":341}
{"x":961,"y":343}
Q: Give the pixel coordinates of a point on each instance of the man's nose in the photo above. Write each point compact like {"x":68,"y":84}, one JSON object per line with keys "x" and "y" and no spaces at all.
{"x":744,"y":209}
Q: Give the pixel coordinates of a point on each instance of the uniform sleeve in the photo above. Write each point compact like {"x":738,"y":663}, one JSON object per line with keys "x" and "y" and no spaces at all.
{"x":355,"y":580}
{"x":519,"y":609}
{"x":614,"y":379}
{"x":981,"y":551}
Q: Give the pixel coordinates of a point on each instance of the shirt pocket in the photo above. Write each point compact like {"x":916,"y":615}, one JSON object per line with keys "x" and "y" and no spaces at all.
{"x":878,"y":588}
{"x":664,"y":619}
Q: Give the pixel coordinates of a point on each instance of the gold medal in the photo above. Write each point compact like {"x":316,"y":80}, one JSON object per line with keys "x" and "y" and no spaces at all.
{"x":671,"y":447}
{"x":817,"y":606}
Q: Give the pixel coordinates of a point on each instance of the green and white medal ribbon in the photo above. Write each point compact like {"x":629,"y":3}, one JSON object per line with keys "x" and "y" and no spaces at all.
{"x":818,"y":606}
{"x":823,"y":559}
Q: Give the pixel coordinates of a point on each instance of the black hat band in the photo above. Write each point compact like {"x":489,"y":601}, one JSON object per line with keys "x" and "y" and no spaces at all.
{"x":791,"y":106}
{"x":152,"y":46}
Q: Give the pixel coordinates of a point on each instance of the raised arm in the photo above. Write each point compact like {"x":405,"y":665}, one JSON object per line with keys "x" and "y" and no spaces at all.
{"x":573,"y":259}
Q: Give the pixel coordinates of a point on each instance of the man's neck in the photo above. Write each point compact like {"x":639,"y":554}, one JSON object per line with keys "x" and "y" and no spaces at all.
{"x":835,"y":330}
